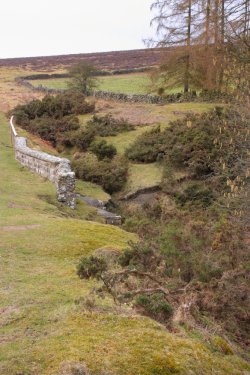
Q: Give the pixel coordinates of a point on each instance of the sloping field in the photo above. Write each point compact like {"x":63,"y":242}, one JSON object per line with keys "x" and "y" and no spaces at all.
{"x":43,"y":320}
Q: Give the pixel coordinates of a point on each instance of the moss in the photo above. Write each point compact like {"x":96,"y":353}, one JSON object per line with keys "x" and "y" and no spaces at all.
{"x":165,"y":364}
{"x":221,"y":345}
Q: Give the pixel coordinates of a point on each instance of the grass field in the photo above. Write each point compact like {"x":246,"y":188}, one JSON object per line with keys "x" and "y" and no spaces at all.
{"x":132,"y":83}
{"x":143,"y":176}
{"x":127,"y":83}
{"x":123,"y":140}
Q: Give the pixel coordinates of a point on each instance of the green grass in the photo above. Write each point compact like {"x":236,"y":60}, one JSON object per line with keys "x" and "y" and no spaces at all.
{"x":132,"y":83}
{"x":91,"y":190}
{"x":52,"y":83}
{"x":123,"y":140}
{"x":136,"y":83}
{"x":143,"y":176}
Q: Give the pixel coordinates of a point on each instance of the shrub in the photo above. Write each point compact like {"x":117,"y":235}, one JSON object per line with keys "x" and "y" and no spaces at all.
{"x":91,"y":267}
{"x":107,"y":125}
{"x":54,"y":115}
{"x":53,"y":130}
{"x":155,"y":306}
{"x":197,"y":143}
{"x":146,"y":148}
{"x":103,"y":150}
{"x":111,"y":175}
{"x":45,"y":128}
{"x":139,"y":256}
{"x":208,"y":270}
{"x":195,"y":194}
{"x":64,"y":104}
{"x":83,"y":138}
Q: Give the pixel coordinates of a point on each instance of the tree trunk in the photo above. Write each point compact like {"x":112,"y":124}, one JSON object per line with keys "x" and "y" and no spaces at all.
{"x":207,"y":23}
{"x":187,"y":67}
{"x":222,"y":44}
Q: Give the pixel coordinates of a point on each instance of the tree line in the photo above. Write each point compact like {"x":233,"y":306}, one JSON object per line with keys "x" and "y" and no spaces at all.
{"x":209,"y":40}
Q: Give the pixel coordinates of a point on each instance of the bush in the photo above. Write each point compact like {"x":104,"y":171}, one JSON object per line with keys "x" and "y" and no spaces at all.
{"x":91,"y":267}
{"x":111,"y":175}
{"x":103,"y":150}
{"x":147,"y":148}
{"x":196,"y":145}
{"x":64,"y":104}
{"x":83,"y":138}
{"x":155,"y":306}
{"x":195,"y":194}
{"x":208,"y":270}
{"x":139,"y":256}
{"x":53,"y":116}
{"x":53,"y":130}
{"x":107,"y":125}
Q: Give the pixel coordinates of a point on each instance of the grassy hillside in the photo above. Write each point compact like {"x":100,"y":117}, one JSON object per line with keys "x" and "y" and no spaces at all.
{"x":39,"y":248}
{"x":44,"y":316}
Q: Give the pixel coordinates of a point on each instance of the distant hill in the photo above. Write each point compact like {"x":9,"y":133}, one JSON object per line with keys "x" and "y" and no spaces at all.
{"x":102,"y":60}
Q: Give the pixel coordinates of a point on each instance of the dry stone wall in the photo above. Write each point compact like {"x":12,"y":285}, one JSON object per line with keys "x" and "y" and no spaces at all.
{"x":53,"y":168}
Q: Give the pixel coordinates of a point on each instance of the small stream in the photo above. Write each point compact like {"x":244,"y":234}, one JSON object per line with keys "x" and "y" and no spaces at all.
{"x":110,"y":217}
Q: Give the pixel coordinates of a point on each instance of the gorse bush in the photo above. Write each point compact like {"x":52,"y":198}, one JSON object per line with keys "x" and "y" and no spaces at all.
{"x":102,"y":149}
{"x":155,"y":306}
{"x":110,"y":174}
{"x":83,"y":138}
{"x":91,"y":267}
{"x":54,"y":117}
{"x":195,"y":194}
{"x":54,"y":130}
{"x":107,"y":125}
{"x":148,"y":147}
{"x":64,"y":104}
{"x":197,"y":145}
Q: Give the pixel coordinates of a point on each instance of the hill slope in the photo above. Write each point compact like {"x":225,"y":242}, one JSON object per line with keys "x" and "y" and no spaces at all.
{"x":43,"y":320}
{"x":103,"y":60}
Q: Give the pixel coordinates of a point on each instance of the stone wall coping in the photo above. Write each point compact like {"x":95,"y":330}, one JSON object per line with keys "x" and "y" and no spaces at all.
{"x":21,"y":146}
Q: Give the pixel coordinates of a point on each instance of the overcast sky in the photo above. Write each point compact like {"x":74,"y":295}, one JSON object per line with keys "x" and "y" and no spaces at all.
{"x":52,"y":27}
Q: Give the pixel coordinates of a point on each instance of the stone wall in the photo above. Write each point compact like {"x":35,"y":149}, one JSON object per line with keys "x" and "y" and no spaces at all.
{"x":129,"y":98}
{"x":53,"y":168}
{"x":119,"y":97}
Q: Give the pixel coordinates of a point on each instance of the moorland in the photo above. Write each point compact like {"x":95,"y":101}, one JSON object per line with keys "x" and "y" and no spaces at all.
{"x":49,"y":316}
